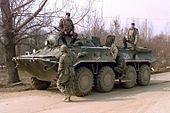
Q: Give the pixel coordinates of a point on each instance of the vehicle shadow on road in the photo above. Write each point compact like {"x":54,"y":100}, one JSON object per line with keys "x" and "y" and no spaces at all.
{"x":120,"y":94}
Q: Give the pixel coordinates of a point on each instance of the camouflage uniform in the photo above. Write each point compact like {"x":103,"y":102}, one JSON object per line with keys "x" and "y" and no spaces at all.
{"x":120,"y":65}
{"x":131,"y":37}
{"x":66,"y":28}
{"x":65,"y":73}
{"x":110,"y":43}
{"x":114,"y":51}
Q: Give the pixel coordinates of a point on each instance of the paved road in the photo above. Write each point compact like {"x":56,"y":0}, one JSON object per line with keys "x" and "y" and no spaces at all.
{"x":154,"y":98}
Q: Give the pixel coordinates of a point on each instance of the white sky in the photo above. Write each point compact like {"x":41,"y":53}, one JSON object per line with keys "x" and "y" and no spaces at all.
{"x":138,"y":8}
{"x":157,"y":11}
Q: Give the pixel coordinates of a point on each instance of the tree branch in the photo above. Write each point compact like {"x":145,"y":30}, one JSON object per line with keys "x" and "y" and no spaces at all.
{"x":31,"y":17}
{"x":6,"y":14}
{"x":35,"y":25}
{"x":88,"y":10}
{"x":30,"y":36}
{"x":23,"y":5}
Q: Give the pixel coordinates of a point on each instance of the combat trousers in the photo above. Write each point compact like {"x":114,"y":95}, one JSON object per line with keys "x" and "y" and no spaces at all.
{"x":66,"y":88}
{"x":62,"y":37}
{"x":125,"y":41}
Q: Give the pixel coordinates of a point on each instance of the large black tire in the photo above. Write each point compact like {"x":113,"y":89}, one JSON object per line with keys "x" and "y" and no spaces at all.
{"x":105,"y":79}
{"x":129,"y":80}
{"x":83,"y":82}
{"x":144,"y":75}
{"x":39,"y":84}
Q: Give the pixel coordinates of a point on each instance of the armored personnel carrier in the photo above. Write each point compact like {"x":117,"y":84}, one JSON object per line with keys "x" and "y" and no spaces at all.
{"x":94,"y":65}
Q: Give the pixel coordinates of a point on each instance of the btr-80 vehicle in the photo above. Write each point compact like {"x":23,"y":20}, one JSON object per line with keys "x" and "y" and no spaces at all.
{"x":94,"y":65}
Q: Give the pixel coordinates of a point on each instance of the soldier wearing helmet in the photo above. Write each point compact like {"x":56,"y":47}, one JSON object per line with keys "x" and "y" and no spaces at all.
{"x":110,"y":42}
{"x":65,"y":73}
{"x":64,"y":49}
{"x":132,"y":36}
{"x":66,"y":28}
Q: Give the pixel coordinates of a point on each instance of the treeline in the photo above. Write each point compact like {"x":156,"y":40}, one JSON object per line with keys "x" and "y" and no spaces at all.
{"x":24,"y":25}
{"x":160,"y":44}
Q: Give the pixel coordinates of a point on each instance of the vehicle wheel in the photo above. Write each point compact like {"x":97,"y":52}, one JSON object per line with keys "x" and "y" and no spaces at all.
{"x":105,"y":79}
{"x":39,"y":84}
{"x":83,"y":82}
{"x":144,"y":75}
{"x":129,"y":80}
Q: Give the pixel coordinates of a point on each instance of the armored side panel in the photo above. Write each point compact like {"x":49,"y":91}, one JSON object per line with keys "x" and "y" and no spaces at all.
{"x":43,"y":63}
{"x":139,"y":55}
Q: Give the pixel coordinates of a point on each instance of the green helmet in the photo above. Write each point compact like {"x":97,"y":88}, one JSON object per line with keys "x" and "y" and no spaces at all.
{"x":64,"y":49}
{"x":109,"y":40}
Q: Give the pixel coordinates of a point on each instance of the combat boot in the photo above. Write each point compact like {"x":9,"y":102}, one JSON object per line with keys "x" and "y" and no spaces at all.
{"x":68,"y":99}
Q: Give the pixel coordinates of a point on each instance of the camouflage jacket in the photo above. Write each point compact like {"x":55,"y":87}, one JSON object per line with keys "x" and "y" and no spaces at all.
{"x":133,"y":35}
{"x":66,"y":25}
{"x":114,"y":51}
{"x":65,"y":67}
{"x":120,"y":61}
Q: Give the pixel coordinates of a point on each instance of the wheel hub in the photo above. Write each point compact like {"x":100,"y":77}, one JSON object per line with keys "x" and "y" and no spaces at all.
{"x":107,"y":80}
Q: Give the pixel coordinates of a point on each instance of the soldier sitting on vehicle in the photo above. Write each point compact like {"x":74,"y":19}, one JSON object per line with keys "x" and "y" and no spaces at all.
{"x":110,"y":42}
{"x":120,"y":68}
{"x":65,"y":73}
{"x":131,"y":37}
{"x":66,"y":28}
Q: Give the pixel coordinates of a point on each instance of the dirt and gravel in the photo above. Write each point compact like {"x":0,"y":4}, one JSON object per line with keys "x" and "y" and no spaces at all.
{"x":154,"y":98}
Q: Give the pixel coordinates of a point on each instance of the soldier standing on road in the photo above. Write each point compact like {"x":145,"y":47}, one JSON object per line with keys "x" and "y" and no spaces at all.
{"x":132,"y":36}
{"x":66,"y":28}
{"x":65,"y":73}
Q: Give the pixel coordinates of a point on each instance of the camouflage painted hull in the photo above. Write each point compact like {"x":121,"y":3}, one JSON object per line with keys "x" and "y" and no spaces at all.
{"x":141,"y":54}
{"x":43,"y":65}
{"x":41,"y":68}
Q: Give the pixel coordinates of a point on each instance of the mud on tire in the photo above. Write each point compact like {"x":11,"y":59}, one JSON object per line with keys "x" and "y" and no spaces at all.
{"x":105,"y":79}
{"x":143,"y":78}
{"x":129,"y":80}
{"x":83,"y":82}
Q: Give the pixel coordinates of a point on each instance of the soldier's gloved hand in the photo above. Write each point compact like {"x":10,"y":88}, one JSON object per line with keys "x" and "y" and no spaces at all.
{"x":126,"y":37}
{"x":134,"y":43}
{"x":65,"y":32}
{"x":71,"y":32}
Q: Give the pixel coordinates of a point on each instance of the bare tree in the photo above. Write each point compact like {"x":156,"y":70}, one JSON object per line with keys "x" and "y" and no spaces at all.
{"x":94,"y":25}
{"x":20,"y":22}
{"x":11,"y":28}
{"x":116,"y":30}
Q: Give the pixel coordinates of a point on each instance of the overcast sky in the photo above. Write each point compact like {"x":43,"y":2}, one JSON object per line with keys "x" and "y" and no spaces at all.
{"x":157,"y":11}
